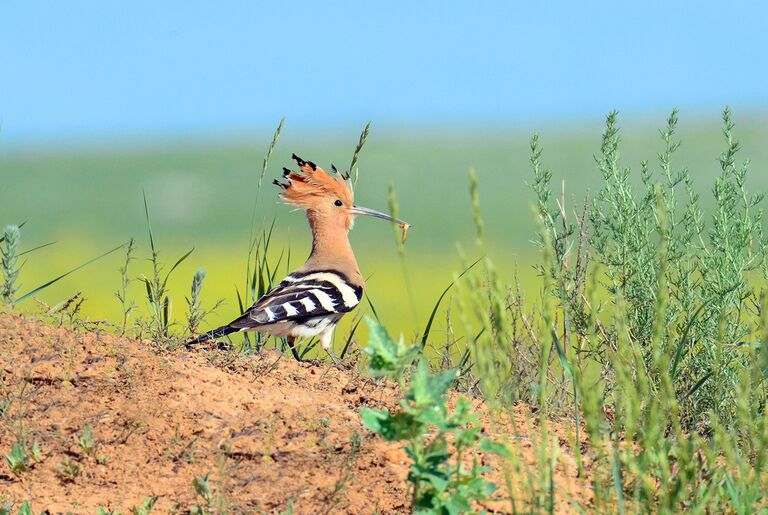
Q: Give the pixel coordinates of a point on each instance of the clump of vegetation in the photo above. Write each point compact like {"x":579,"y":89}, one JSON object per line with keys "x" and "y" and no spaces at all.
{"x":17,"y":459}
{"x":85,"y":440}
{"x":127,"y":306}
{"x":256,"y":262}
{"x":9,"y":261}
{"x":436,"y":440}
{"x":347,"y":472}
{"x":68,"y":470}
{"x":194,"y":303}
{"x":9,"y":255}
{"x":196,"y":314}
{"x":148,"y":503}
{"x":663,"y":260}
{"x":160,"y":303}
{"x":213,"y":502}
{"x":644,"y":335}
{"x":21,"y":458}
{"x":146,"y":507}
{"x":25,"y":508}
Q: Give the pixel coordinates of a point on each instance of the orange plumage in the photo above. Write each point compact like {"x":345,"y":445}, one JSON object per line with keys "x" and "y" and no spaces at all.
{"x":305,"y":189}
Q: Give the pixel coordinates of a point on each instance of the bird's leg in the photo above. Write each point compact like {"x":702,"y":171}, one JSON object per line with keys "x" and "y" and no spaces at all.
{"x":290,"y":340}
{"x":325,"y":341}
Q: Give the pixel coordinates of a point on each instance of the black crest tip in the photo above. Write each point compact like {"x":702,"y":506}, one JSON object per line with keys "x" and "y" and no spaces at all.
{"x":298,"y":160}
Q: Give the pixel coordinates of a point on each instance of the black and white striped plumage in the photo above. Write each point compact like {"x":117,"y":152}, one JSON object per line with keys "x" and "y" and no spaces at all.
{"x":303,"y":295}
{"x":304,"y":304}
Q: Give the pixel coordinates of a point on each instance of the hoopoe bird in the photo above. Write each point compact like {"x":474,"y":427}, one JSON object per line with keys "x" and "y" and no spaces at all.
{"x":311,"y":300}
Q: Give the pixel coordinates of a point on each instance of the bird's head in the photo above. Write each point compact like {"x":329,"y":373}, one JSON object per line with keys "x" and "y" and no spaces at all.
{"x":326,"y":197}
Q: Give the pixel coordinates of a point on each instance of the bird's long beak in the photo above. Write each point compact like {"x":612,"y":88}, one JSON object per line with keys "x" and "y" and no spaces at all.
{"x":359,"y":210}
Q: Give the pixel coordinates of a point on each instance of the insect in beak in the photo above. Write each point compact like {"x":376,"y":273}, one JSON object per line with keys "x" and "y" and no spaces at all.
{"x":359,"y":210}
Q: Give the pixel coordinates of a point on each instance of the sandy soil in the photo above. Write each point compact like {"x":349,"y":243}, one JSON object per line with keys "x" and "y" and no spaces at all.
{"x":270,"y":432}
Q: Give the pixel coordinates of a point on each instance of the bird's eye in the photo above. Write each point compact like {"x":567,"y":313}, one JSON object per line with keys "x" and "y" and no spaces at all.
{"x":338,"y":203}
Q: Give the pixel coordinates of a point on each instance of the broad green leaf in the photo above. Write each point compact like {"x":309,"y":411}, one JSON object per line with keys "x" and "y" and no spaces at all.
{"x":458,"y":503}
{"x":428,"y":389}
{"x":439,"y":481}
{"x":400,"y":426}
{"x":387,"y":358}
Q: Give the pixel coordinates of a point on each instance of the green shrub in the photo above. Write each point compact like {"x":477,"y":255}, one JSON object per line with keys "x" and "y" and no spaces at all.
{"x":645,"y":333}
{"x":85,"y":440}
{"x":158,"y":297}
{"x":436,"y":439}
{"x":18,"y":459}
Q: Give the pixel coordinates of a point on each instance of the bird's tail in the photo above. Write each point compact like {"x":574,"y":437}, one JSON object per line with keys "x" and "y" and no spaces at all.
{"x":212,"y":335}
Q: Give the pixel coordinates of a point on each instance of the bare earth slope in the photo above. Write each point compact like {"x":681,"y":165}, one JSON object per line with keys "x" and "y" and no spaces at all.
{"x":267,"y":430}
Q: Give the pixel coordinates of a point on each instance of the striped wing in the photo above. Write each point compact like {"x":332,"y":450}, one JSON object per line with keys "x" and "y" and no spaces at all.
{"x":301,"y":296}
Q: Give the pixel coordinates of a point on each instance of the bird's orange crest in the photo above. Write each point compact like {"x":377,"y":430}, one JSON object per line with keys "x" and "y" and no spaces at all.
{"x":313,"y":187}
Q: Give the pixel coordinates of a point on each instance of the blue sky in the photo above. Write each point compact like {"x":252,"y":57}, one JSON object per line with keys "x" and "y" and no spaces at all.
{"x":87,"y":69}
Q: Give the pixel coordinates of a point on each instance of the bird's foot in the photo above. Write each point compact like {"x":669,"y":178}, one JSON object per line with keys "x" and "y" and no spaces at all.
{"x":299,"y":359}
{"x":336,"y":360}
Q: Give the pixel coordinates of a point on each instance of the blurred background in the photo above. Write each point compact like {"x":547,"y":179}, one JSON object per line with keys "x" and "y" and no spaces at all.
{"x":99,"y":101}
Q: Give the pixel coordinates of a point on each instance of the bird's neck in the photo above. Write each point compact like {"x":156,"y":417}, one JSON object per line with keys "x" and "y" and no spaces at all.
{"x":330,"y":245}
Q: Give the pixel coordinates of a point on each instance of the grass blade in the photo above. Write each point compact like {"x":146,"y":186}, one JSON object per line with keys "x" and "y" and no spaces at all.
{"x":150,"y":296}
{"x":373,"y":309}
{"x":308,"y":347}
{"x":252,"y":279}
{"x":561,"y":354}
{"x":698,"y":384}
{"x":182,"y":258}
{"x":274,"y":272}
{"x":246,"y":338}
{"x":62,"y":276}
{"x":252,"y":241}
{"x":428,"y":327}
{"x":262,"y":290}
{"x":149,"y":225}
{"x":33,"y":249}
{"x":239,"y":301}
{"x":268,"y":237}
{"x":683,"y":343}
{"x":166,"y":312}
{"x":349,"y":338}
{"x":618,"y":482}
{"x":288,"y":260}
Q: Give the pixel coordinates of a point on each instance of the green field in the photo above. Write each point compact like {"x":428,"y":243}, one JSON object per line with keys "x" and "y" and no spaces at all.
{"x":201,"y":194}
{"x":640,"y":325}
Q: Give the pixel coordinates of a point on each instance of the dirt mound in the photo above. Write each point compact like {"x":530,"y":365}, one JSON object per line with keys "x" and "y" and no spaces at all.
{"x":268,"y":431}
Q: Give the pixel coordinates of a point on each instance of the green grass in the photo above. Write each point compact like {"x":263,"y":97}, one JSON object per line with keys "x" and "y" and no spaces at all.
{"x":202,"y":195}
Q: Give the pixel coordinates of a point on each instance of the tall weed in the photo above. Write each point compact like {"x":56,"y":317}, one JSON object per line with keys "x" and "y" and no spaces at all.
{"x":643,"y":335}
